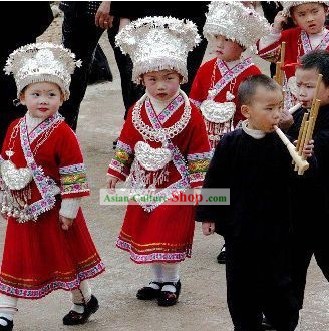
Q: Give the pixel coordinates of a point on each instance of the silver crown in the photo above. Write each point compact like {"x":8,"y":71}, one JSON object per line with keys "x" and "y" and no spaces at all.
{"x":287,"y":5}
{"x":42,"y":62}
{"x":157,"y":43}
{"x":235,"y":21}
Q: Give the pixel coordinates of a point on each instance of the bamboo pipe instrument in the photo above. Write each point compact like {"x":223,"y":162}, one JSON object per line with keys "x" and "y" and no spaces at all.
{"x":302,"y":165}
{"x":279,"y":74}
{"x":294,"y":108}
{"x":316,"y":92}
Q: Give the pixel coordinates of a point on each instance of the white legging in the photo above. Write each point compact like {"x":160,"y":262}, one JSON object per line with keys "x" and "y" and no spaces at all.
{"x":81,"y":294}
{"x":8,"y":305}
{"x":165,"y":272}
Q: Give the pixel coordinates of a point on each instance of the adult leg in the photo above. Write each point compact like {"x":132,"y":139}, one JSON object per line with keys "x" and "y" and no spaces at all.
{"x":131,"y":92}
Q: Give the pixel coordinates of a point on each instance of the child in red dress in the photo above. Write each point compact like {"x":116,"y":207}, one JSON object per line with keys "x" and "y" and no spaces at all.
{"x":42,"y":181}
{"x":216,"y":84}
{"x":217,"y":81}
{"x":163,"y":145}
{"x":309,"y":34}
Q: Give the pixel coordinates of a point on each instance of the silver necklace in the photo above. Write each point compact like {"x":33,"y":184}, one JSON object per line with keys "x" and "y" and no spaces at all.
{"x":160,"y":135}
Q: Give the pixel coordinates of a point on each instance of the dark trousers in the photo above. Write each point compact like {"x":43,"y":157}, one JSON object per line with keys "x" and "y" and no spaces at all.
{"x":261,"y":285}
{"x":81,"y":36}
{"x":310,"y":236}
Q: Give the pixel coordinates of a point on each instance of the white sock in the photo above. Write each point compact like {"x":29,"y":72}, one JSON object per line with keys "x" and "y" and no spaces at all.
{"x":156,"y":269}
{"x":170,"y":273}
{"x":8,"y":307}
{"x":80,"y":296}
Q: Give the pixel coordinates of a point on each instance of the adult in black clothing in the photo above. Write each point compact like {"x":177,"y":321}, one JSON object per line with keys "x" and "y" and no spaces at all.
{"x":194,"y":11}
{"x":310,"y":232}
{"x":32,"y":18}
{"x":84,"y":23}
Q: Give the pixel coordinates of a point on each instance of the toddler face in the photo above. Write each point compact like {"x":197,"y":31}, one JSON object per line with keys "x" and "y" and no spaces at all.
{"x":226,"y":49}
{"x":42,"y":99}
{"x":162,"y":85}
{"x":265,"y":109}
{"x":310,"y":17}
{"x":306,"y":80}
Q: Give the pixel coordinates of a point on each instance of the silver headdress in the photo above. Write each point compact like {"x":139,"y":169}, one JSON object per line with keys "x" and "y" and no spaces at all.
{"x":42,"y":62}
{"x":287,"y":5}
{"x":157,"y":43}
{"x":235,"y":21}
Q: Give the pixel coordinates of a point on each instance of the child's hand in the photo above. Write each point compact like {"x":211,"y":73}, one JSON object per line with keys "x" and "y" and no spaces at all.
{"x":286,"y":120}
{"x":308,"y":149}
{"x":208,"y":228}
{"x":111,"y":183}
{"x":278,"y":22}
{"x":65,"y":222}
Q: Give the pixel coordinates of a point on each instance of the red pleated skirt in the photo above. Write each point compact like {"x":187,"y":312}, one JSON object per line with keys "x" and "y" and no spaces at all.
{"x":40,"y":257}
{"x":162,"y":235}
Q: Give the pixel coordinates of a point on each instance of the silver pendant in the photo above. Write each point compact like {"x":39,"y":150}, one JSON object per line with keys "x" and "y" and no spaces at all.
{"x":152,"y":159}
{"x":15,"y":179}
{"x":217,"y":112}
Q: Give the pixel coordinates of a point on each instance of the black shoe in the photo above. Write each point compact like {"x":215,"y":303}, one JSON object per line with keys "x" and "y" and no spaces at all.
{"x":266,"y":324}
{"x":74,"y":318}
{"x":114,"y":143}
{"x":9,"y":325}
{"x":167,"y":298}
{"x":221,"y":258}
{"x":148,"y":293}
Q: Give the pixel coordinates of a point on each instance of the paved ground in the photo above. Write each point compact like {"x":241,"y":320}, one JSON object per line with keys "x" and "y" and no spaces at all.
{"x":202,"y":303}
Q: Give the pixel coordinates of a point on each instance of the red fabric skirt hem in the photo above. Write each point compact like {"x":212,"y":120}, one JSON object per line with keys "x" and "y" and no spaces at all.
{"x":154,"y":257}
{"x":50,"y":286}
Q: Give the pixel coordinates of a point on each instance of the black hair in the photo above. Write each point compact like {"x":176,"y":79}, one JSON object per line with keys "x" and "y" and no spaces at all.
{"x":248,"y":87}
{"x":319,"y":60}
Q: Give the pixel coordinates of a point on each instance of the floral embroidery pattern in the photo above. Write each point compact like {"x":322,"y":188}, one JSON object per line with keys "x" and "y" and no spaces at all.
{"x":307,"y":44}
{"x":228,"y":75}
{"x":46,"y":185}
{"x":122,"y":159}
{"x":44,"y":126}
{"x":73,"y":179}
{"x":154,"y":256}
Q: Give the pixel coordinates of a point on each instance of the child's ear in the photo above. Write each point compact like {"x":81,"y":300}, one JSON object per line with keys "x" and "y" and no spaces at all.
{"x":245,"y":111}
{"x":22,"y":99}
